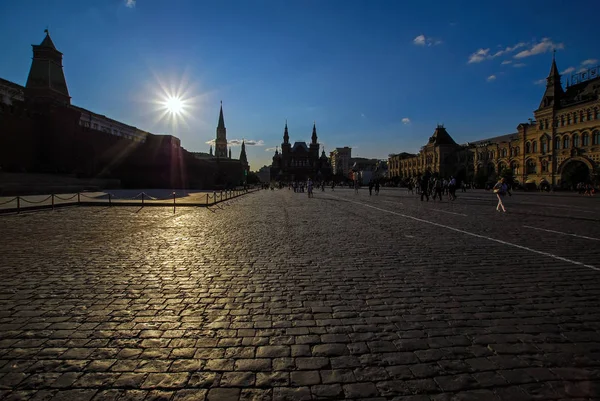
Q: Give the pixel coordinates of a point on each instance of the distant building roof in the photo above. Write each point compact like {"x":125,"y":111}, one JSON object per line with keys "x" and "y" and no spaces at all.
{"x":441,"y":137}
{"x":581,"y":92}
{"x":495,"y":139}
{"x":403,"y":155}
{"x":299,"y":145}
{"x":13,"y":85}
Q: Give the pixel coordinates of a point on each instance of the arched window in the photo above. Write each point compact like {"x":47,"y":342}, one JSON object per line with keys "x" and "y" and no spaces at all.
{"x":534,"y":147}
{"x":589,"y":114}
{"x":575,"y":141}
{"x":544,"y":145}
{"x":514,"y":166}
{"x":581,"y":116}
{"x":527,"y":148}
{"x":557,"y":143}
{"x":585,"y":139}
{"x":566,"y":142}
{"x":501,"y":166}
{"x":569,"y":119}
{"x":574,"y":118}
{"x":596,"y":138}
{"x":517,"y":150}
{"x":531,"y":166}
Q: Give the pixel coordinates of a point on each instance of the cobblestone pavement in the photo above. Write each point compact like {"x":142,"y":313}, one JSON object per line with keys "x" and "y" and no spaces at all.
{"x":274,"y":296}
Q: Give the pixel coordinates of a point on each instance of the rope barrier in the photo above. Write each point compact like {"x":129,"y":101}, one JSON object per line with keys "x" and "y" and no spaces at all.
{"x":65,"y":199}
{"x":34,"y":202}
{"x":8,"y":201}
{"x":89,"y":197}
{"x":211,"y":198}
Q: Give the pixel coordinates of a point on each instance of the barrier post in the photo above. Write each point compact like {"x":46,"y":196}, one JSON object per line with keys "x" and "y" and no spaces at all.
{"x":109,"y":200}
{"x":214,"y":198}
{"x":206,"y":199}
{"x":78,"y":198}
{"x":18,"y":204}
{"x":142,"y":199}
{"x":173,"y":202}
{"x":52,"y":201}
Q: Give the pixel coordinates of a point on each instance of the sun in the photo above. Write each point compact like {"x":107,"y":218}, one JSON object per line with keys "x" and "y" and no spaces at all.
{"x":174,"y":105}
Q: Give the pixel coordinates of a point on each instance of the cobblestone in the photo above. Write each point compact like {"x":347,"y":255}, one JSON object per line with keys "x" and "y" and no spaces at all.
{"x":273,"y":296}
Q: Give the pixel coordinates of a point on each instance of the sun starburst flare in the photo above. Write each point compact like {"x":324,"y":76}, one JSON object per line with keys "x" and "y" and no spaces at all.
{"x":176,"y":104}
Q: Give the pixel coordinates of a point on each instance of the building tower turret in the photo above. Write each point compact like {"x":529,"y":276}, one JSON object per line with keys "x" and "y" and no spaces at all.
{"x":554,"y":91}
{"x":243,"y":157}
{"x":46,"y":80}
{"x":221,"y":141}
{"x":314,"y":147}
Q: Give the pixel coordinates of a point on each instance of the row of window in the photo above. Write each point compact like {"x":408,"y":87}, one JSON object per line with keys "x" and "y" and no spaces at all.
{"x":573,"y":118}
{"x":116,"y":132}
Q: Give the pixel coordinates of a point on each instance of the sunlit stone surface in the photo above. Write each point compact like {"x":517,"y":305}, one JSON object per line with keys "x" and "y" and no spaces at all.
{"x":274,"y":296}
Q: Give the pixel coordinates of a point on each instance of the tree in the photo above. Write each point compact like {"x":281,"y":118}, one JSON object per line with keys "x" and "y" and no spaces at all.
{"x":252,"y":178}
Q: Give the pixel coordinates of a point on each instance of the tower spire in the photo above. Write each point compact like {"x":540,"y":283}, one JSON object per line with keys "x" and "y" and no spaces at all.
{"x":221,"y":141}
{"x":286,"y":137}
{"x":554,"y":90}
{"x":46,"y":80}
{"x":221,"y":119}
{"x":314,"y":133}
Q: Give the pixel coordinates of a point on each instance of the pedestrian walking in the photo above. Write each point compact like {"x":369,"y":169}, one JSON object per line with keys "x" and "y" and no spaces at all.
{"x":424,"y":185}
{"x":370,"y":187}
{"x":377,"y":187}
{"x":309,"y":187}
{"x":500,"y":190}
{"x":437,"y":188}
{"x":452,"y":188}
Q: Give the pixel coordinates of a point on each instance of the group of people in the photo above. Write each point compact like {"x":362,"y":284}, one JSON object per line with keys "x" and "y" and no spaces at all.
{"x":585,"y":189}
{"x":437,"y":186}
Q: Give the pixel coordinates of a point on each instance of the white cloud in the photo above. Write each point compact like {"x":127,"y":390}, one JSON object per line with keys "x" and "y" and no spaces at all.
{"x":238,"y":142}
{"x":540,"y":81}
{"x":419,"y":40}
{"x":590,"y":61}
{"x":584,"y":69}
{"x":130,"y":3}
{"x":270,"y":149}
{"x":484,"y":54}
{"x":506,"y":62}
{"x":406,"y":121}
{"x":491,"y":78}
{"x":568,"y":70}
{"x":519,"y":65}
{"x":479,"y":56}
{"x":545,"y":46}
{"x":422,"y":40}
{"x":509,"y":49}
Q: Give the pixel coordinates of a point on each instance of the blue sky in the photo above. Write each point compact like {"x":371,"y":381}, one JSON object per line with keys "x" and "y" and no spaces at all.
{"x":376,"y":75}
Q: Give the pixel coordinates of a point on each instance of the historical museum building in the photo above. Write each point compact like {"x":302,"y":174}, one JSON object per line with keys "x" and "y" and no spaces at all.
{"x":300,"y":162}
{"x":559,"y":147}
{"x":42,"y":132}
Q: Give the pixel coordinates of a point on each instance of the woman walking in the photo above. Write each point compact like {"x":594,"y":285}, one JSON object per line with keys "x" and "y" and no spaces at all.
{"x":500,"y":190}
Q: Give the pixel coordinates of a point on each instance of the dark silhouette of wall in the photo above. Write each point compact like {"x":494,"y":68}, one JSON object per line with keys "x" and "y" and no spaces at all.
{"x":46,"y":138}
